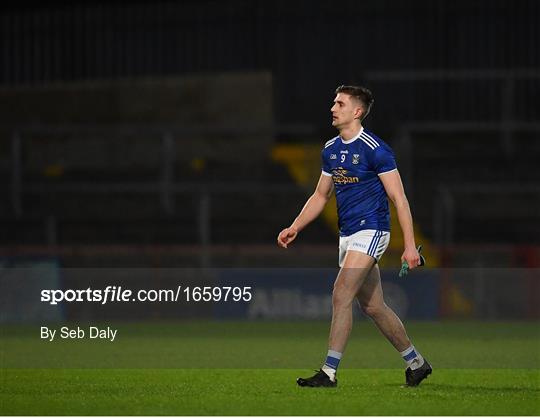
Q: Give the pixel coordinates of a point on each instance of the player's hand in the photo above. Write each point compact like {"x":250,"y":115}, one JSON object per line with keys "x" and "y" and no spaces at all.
{"x":411,"y":257}
{"x":287,"y":236}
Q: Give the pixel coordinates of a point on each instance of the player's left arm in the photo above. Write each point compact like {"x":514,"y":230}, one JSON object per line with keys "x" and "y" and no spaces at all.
{"x":394,"y":189}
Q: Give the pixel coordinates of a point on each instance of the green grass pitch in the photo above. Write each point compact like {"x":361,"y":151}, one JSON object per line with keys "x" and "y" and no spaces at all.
{"x":243,"y":368}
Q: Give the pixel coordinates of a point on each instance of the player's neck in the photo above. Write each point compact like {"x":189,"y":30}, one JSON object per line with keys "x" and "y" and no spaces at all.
{"x":349,"y":132}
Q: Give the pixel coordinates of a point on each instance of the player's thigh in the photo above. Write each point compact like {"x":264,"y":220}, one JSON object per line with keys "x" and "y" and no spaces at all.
{"x":370,"y":294}
{"x":353,"y":273}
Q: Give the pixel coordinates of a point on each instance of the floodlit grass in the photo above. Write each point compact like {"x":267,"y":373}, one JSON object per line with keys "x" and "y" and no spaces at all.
{"x":232,"y":368}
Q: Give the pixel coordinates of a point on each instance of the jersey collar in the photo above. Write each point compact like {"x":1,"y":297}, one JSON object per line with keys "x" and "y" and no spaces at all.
{"x":353,"y":139}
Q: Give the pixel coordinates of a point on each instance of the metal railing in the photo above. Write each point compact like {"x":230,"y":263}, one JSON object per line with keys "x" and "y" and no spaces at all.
{"x":406,"y":138}
{"x":445,"y":211}
{"x":445,"y":196}
{"x":506,"y":83}
{"x":168,"y":138}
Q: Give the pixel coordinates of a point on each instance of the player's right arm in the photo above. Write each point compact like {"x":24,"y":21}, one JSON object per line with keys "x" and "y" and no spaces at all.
{"x":311,"y":210}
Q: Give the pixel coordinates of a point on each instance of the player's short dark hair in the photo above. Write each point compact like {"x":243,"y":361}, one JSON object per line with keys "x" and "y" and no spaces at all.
{"x":363,"y":94}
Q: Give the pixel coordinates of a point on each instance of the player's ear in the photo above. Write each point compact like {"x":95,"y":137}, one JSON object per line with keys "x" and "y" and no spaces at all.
{"x":358,"y":112}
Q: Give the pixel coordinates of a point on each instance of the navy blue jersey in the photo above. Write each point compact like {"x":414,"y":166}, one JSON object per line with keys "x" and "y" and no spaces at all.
{"x":355,"y":166}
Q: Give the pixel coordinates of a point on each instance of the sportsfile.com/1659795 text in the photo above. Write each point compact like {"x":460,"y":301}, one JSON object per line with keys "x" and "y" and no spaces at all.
{"x":111,"y":294}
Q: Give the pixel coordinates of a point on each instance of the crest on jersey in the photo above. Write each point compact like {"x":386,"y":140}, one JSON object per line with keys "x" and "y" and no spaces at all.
{"x":333,"y":156}
{"x":355,"y":158}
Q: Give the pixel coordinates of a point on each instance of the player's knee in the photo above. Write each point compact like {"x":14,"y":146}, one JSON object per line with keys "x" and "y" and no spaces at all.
{"x":373,"y":311}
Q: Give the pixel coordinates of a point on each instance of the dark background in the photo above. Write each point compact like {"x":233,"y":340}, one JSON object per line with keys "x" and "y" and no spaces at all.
{"x":309,"y":50}
{"x":93,"y":176}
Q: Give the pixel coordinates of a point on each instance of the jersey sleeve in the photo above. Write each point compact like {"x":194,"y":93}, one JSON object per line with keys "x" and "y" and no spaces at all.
{"x":326,"y":169}
{"x":383,"y":160}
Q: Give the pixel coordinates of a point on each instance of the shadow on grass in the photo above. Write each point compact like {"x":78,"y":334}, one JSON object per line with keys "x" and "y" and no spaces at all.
{"x":469,"y":388}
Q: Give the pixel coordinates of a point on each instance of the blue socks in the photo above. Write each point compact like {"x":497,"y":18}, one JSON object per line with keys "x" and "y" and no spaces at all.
{"x":412,"y":357}
{"x":331,"y":364}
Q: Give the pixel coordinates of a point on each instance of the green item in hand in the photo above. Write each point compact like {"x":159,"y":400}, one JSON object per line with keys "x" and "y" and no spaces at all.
{"x":405,"y":267}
